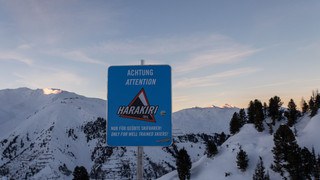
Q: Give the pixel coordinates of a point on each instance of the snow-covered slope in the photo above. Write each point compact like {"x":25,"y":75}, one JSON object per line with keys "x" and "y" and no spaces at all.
{"x":255,"y":144}
{"x":35,"y":130}
{"x":45,"y":133}
{"x":310,"y":134}
{"x":21,"y":107}
{"x":203,"y":120}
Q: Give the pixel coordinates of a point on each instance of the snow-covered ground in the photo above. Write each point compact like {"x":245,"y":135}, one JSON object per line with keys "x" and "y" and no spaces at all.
{"x":255,"y":144}
{"x":203,"y":120}
{"x":41,"y":131}
{"x":37,"y":121}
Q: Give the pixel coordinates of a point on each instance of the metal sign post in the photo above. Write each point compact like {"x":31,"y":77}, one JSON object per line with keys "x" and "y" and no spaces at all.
{"x":140,"y":163}
{"x":140,"y":153}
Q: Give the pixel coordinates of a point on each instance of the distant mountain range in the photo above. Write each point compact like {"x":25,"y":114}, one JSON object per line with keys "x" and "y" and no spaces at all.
{"x":46,"y":133}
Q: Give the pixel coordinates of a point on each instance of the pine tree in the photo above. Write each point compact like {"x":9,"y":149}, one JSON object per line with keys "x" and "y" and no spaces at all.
{"x":242,"y":160}
{"x":314,"y":103}
{"x":265,"y":109}
{"x":314,"y":111}
{"x":274,"y":105}
{"x":256,"y":114}
{"x":316,"y":173}
{"x":80,"y":173}
{"x":184,"y":164}
{"x":294,"y":166}
{"x":222,"y":138}
{"x":307,"y":163}
{"x":211,"y":149}
{"x":280,"y":150}
{"x":21,"y":143}
{"x":314,"y":157}
{"x":311,"y":103}
{"x":267,"y":177}
{"x":270,"y":128}
{"x":286,"y":152}
{"x":242,"y":117}
{"x":304,"y":106}
{"x":292,"y":114}
{"x":251,"y":112}
{"x":235,"y":124}
{"x":316,"y":165}
{"x":259,"y":116}
{"x":317,"y":103}
{"x":28,"y":139}
{"x":259,"y":173}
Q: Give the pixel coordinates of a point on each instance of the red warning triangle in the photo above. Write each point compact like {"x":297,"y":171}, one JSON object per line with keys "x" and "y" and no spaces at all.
{"x":140,"y":109}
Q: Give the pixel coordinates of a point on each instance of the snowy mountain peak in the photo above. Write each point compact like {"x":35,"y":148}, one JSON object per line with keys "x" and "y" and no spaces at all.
{"x":46,"y":133}
{"x":225,"y":106}
{"x":48,"y":91}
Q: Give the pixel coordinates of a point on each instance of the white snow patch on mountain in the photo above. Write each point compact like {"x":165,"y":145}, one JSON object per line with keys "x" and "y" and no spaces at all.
{"x":51,"y":91}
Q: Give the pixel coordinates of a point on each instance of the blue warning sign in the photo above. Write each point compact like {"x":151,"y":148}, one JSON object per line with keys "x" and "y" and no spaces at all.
{"x":139,"y":109}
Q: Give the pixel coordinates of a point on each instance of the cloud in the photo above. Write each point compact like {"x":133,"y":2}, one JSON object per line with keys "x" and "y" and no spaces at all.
{"x":212,"y":80}
{"x":16,"y":57}
{"x":43,"y":78}
{"x":288,"y":82}
{"x":164,"y":45}
{"x":58,"y":23}
{"x":197,"y":50}
{"x":195,"y":82}
{"x":236,"y":72}
{"x":311,"y":47}
{"x":81,"y":57}
{"x":179,"y":99}
{"x":24,"y":46}
{"x":220,"y":56}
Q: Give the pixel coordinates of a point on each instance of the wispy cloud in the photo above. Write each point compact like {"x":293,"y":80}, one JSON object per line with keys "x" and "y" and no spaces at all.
{"x":198,"y":50}
{"x":59,"y":23}
{"x":195,"y":82}
{"x":166,"y":45}
{"x":288,"y":82}
{"x":52,"y":78}
{"x":81,"y":57}
{"x":237,"y":72}
{"x":220,"y":56}
{"x":315,"y":46}
{"x":213,"y":80}
{"x":6,"y":56}
{"x":179,"y":99}
{"x":24,"y":46}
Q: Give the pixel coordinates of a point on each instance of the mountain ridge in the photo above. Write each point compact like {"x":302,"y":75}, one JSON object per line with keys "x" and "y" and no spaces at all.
{"x":49,"y":134}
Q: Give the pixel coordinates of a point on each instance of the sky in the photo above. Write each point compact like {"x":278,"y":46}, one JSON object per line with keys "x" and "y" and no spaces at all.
{"x":220,"y":51}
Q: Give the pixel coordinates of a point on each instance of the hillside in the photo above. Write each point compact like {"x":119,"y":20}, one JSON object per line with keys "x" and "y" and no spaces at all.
{"x":203,"y":120}
{"x":255,"y":144}
{"x":46,"y":133}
